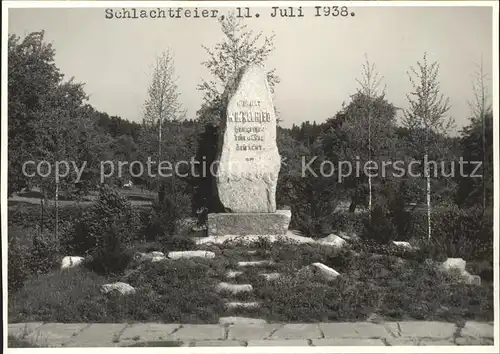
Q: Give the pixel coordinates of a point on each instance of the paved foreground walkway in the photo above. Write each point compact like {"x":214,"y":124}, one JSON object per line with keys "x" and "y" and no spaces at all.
{"x":253,"y":332}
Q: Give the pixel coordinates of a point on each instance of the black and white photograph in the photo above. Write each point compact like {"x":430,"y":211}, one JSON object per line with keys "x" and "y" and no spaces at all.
{"x":290,"y":176}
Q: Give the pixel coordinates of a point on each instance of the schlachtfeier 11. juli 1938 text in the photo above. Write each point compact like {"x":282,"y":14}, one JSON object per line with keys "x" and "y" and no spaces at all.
{"x":239,"y":12}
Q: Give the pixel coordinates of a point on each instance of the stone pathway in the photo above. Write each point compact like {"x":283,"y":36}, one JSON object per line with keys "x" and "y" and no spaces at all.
{"x":237,"y":331}
{"x":234,"y":287}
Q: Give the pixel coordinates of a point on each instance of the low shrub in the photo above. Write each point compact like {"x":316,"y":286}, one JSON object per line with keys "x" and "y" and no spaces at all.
{"x":151,"y":224}
{"x":162,"y":219}
{"x":402,"y":220}
{"x":350,"y":223}
{"x":322,"y":224}
{"x":86,"y":234}
{"x":418,"y":228}
{"x":38,"y":256}
{"x":18,"y":268}
{"x":313,"y":204}
{"x":45,"y":253}
{"x":460,"y":233}
{"x":166,"y":212}
{"x":379,"y":227}
{"x":112,"y":256}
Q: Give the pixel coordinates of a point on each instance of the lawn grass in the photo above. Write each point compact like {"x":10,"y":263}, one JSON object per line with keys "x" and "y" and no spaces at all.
{"x":183,"y":291}
{"x":15,"y":342}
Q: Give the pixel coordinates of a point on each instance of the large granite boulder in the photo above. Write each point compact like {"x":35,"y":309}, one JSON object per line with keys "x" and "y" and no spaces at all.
{"x":248,"y":156}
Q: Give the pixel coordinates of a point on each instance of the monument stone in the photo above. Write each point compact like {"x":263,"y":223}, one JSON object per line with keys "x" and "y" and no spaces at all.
{"x":248,"y":160}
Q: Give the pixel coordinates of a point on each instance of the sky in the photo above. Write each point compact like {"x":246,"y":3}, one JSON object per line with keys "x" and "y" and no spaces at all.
{"x":318,"y":59}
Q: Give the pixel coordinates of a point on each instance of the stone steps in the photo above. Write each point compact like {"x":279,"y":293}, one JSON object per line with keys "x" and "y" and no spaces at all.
{"x":244,"y":300}
{"x":270,"y":276}
{"x":234,"y":288}
{"x":241,"y":304}
{"x":235,"y":274}
{"x":239,"y":296}
{"x":231,"y":274}
{"x":255,"y":263}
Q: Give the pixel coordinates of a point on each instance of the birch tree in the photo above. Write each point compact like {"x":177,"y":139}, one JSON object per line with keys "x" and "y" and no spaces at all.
{"x":426,"y":117}
{"x":162,"y":104}
{"x":239,"y":47}
{"x":366,"y":140}
{"x":480,"y":108}
{"x":369,"y":85}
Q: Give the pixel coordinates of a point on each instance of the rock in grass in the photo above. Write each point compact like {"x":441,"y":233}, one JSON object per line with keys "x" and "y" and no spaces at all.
{"x":270,"y":276}
{"x":459,"y":263}
{"x":71,"y":262}
{"x":233,"y":273}
{"x":237,"y":304}
{"x":191,"y":254}
{"x":348,"y":237}
{"x":250,"y":240}
{"x":234,"y":288}
{"x":254,"y":263}
{"x":451,"y":263}
{"x":327,"y":272}
{"x":122,"y":288}
{"x":154,"y":256}
{"x":157,"y":254}
{"x":471,"y":279}
{"x":293,"y":236}
{"x":403,"y":244}
{"x":333,"y":240}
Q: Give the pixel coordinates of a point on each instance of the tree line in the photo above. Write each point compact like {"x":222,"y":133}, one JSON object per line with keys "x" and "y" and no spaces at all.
{"x":50,"y":119}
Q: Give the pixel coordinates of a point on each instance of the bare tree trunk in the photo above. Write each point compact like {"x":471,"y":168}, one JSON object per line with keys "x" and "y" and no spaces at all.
{"x":370,"y":197}
{"x":42,"y":207}
{"x":369,"y":158}
{"x":45,"y":205}
{"x":482,"y":111}
{"x":479,"y":111}
{"x":159,"y":154}
{"x":56,"y":205}
{"x":428,"y":178}
{"x":484,"y":150}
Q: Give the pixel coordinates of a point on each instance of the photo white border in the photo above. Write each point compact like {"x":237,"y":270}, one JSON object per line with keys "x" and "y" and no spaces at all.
{"x":164,"y":4}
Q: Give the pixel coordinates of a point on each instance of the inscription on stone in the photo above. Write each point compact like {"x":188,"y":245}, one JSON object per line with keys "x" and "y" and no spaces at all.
{"x":248,"y":130}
